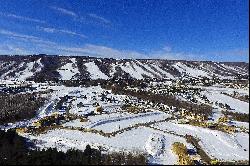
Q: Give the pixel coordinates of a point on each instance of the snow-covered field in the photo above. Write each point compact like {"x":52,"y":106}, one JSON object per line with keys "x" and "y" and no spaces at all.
{"x":217,"y":144}
{"x":29,"y":70}
{"x":235,"y":104}
{"x":241,"y":124}
{"x":97,"y":128}
{"x":122,"y":121}
{"x":219,"y":88}
{"x":134,"y":140}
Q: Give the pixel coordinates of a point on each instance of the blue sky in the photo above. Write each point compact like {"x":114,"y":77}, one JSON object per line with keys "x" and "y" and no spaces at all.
{"x":214,"y":30}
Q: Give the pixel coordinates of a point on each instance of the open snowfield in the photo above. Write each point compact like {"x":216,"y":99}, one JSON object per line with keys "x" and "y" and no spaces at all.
{"x":116,"y":123}
{"x":135,"y":70}
{"x":6,"y":76}
{"x":235,"y":104}
{"x":134,"y":140}
{"x":241,"y":124}
{"x":238,"y":70}
{"x":219,"y":89}
{"x":217,"y":144}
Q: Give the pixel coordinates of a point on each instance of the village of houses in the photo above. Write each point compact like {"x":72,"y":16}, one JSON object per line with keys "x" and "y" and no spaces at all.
{"x":72,"y":117}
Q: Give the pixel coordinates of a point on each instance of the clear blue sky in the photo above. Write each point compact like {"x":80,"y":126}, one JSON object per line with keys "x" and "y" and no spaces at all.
{"x":215,"y":30}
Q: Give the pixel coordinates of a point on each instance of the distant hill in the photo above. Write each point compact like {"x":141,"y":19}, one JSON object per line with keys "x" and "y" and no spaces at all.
{"x":53,"y":67}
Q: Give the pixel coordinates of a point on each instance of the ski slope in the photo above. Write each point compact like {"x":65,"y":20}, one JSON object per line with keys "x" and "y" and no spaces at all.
{"x":69,"y":70}
{"x":95,"y":72}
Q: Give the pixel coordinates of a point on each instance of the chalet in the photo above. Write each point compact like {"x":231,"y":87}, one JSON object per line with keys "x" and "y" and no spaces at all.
{"x":75,"y":92}
{"x":89,"y":113}
{"x":66,"y":97}
{"x":68,"y":102}
{"x":174,"y":109}
{"x":141,"y":102}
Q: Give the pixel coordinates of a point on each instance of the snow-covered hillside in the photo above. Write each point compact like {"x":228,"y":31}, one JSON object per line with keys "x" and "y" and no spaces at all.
{"x":68,"y":68}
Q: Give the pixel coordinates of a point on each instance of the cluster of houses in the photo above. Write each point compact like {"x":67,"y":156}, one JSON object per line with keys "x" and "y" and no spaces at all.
{"x":174,"y":89}
{"x":146,"y":104}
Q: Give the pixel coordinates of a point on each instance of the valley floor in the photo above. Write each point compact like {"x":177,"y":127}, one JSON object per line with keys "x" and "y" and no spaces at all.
{"x":73,"y":117}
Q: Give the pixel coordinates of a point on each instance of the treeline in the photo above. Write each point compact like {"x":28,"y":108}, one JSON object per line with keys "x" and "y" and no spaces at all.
{"x":14,"y":151}
{"x":16,"y":107}
{"x":242,"y":117}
